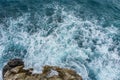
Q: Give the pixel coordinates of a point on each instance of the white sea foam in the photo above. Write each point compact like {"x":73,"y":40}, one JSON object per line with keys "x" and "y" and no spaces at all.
{"x":61,"y":49}
{"x":0,"y":75}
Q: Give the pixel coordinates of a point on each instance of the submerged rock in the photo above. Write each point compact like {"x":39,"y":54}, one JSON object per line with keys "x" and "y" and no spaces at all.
{"x":14,"y":70}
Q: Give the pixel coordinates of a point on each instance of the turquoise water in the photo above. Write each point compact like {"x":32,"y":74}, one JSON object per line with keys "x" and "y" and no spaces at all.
{"x":83,"y":35}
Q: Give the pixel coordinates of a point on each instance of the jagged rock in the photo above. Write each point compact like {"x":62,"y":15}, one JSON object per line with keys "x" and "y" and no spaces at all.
{"x":14,"y":70}
{"x":11,"y":64}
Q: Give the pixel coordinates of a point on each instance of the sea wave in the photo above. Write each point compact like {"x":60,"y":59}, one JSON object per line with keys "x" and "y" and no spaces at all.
{"x":80,"y":35}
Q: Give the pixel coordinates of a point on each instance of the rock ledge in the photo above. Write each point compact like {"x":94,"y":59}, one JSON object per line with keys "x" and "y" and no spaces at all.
{"x":14,"y":70}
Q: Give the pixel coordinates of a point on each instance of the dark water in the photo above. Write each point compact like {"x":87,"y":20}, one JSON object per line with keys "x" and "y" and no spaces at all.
{"x":83,"y":35}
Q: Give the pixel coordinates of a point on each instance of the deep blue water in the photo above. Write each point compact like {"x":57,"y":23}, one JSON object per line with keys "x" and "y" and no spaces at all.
{"x":83,"y":35}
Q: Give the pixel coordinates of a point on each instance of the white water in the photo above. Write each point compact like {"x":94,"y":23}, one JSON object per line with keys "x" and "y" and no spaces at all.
{"x":60,"y":48}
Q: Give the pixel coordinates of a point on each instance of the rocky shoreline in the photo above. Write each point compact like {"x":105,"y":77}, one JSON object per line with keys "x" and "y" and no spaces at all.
{"x":14,"y":70}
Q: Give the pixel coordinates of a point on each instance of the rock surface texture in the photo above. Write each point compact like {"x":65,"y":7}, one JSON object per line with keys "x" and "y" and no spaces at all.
{"x":14,"y":70}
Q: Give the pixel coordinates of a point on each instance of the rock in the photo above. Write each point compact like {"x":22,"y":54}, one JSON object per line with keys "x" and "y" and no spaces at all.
{"x":14,"y":70}
{"x":11,"y":64}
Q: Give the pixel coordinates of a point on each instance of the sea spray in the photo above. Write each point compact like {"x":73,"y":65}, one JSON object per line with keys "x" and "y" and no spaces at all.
{"x":59,"y":34}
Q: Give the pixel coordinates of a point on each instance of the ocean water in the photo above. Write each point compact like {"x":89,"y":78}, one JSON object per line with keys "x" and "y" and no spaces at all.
{"x":83,"y":35}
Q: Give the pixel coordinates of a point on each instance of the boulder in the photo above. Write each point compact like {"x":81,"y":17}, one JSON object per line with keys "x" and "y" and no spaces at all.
{"x":14,"y":70}
{"x":12,"y":64}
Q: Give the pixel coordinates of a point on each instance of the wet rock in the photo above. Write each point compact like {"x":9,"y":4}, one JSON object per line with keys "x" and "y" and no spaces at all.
{"x":12,"y":64}
{"x":14,"y":70}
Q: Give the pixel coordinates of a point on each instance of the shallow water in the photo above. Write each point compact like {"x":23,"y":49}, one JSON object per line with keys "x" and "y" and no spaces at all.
{"x":80,"y":35}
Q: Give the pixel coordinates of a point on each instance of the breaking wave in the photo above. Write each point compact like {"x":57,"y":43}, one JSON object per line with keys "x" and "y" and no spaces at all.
{"x":80,"y":35}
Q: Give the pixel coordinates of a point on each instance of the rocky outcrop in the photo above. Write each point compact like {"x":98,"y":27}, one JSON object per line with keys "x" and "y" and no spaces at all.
{"x":14,"y":70}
